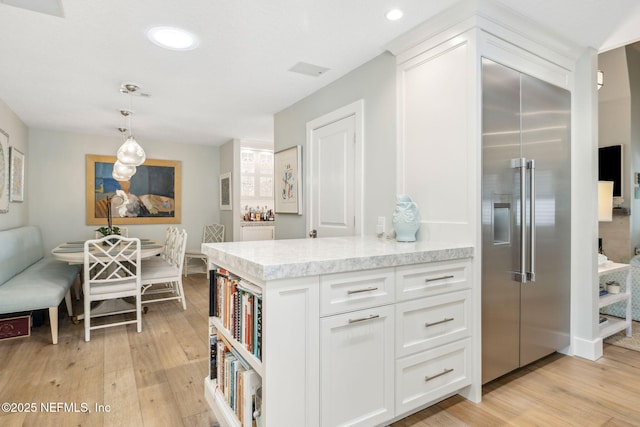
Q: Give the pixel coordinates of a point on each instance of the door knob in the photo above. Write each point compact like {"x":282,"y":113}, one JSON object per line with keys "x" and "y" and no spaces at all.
{"x":313,"y":234}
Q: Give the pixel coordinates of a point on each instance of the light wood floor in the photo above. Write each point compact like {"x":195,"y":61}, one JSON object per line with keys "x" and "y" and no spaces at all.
{"x":155,"y":378}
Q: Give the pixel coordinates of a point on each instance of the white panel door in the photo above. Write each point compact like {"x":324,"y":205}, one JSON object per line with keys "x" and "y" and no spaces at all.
{"x":333,"y":166}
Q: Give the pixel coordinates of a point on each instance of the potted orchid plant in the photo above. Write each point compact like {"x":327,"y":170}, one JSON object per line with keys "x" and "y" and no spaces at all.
{"x":110,"y":229}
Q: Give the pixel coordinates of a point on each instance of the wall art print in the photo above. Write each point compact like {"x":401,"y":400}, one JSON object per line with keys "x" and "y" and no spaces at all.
{"x":4,"y":171}
{"x":288,"y":186}
{"x":17,"y":175}
{"x":225,"y":191}
{"x":151,"y":196}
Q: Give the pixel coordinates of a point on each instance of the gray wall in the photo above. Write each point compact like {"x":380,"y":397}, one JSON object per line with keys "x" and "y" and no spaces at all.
{"x":226,"y":165}
{"x":375,"y":83}
{"x":56,"y":184}
{"x":619,"y":103}
{"x":18,"y":137}
{"x":633,"y":62}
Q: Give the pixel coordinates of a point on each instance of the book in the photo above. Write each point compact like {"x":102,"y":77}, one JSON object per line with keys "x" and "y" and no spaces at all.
{"x":258,"y":352}
{"x":213,"y":292}
{"x":250,"y":383}
{"x":213,"y":364}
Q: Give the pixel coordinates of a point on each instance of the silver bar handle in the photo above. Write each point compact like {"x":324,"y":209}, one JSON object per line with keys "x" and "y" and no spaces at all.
{"x":445,"y":320}
{"x":531,"y":274}
{"x":357,"y":291}
{"x":363,"y":319}
{"x":439,"y":278}
{"x":433,"y":377}
{"x":521,"y":163}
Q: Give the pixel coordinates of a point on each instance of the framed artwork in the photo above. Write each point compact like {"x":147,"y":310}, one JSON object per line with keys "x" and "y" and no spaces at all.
{"x":4,"y":171}
{"x":288,"y":186}
{"x":225,"y":191}
{"x":151,"y":196}
{"x":17,"y":175}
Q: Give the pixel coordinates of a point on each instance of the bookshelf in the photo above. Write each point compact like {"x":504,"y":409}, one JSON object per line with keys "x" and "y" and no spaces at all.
{"x":235,"y":371}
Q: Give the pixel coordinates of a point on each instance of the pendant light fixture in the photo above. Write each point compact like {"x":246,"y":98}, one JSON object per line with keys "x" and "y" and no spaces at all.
{"x":130,"y":153}
{"x":120,"y":171}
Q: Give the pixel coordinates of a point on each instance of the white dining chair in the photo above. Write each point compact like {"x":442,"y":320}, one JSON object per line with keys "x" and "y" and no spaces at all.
{"x":111,"y":271}
{"x":163,"y":275}
{"x":210,"y":233}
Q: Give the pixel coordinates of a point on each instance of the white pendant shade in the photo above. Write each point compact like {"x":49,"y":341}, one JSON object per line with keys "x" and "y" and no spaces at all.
{"x":122,"y":172}
{"x":131,"y":153}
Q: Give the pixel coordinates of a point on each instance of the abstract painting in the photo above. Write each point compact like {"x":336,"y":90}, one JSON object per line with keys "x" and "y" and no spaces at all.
{"x":151,"y":196}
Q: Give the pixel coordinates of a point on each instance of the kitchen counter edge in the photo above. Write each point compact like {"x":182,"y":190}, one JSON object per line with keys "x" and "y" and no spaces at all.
{"x":290,"y":258}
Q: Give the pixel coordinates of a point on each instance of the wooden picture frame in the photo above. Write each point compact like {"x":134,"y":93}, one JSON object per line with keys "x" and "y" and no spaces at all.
{"x":153,"y":194}
{"x":17,"y":175}
{"x":226,"y":194}
{"x":287,"y":182}
{"x":4,"y":171}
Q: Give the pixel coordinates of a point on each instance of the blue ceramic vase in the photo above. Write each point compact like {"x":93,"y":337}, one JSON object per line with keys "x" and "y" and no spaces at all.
{"x":406,"y":219}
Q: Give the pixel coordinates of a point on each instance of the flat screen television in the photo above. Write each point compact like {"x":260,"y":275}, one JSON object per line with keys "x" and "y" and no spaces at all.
{"x":610,"y":167}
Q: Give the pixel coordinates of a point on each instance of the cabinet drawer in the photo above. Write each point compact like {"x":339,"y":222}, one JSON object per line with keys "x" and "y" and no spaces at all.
{"x":432,"y":279}
{"x":344,"y":292}
{"x":431,"y":375}
{"x":429,"y":322}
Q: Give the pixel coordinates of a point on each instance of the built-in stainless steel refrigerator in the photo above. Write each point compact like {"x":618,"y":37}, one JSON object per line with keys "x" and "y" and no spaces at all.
{"x":526,"y":219}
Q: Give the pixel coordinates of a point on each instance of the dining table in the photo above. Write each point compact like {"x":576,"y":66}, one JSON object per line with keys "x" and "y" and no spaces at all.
{"x":73,"y":253}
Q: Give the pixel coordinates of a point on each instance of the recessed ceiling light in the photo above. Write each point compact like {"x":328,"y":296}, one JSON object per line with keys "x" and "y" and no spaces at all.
{"x":394,"y":14}
{"x":173,"y":38}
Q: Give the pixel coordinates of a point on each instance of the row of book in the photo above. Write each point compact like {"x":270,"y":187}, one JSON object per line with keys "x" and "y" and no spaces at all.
{"x":238,"y":305}
{"x":240,"y":385}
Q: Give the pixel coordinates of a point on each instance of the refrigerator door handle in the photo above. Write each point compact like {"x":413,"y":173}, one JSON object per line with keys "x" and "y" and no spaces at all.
{"x":531,"y":274}
{"x":521,"y":163}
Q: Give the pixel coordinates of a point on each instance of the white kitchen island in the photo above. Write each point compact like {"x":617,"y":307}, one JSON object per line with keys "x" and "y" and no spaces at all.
{"x":355,"y":331}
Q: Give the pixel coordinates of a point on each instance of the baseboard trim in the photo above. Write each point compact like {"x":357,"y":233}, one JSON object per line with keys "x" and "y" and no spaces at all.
{"x":587,"y":349}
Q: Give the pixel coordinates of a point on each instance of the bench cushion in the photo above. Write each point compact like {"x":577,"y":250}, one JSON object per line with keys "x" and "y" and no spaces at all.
{"x":40,"y":286}
{"x":19,"y":248}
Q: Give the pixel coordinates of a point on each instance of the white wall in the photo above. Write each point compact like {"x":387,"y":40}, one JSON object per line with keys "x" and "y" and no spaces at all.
{"x":56,"y":185}
{"x":375,"y":83}
{"x":18,"y":136}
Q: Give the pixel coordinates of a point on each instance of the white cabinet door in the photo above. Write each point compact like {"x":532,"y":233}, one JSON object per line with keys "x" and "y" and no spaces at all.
{"x":356,"y":368}
{"x":257,"y":233}
{"x":435,"y":148}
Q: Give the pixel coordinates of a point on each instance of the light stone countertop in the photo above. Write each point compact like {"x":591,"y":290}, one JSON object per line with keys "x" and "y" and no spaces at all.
{"x":257,"y":223}
{"x":279,"y":259}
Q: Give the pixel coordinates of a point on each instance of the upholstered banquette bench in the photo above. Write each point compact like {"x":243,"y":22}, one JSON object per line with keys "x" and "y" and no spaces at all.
{"x":30,"y":281}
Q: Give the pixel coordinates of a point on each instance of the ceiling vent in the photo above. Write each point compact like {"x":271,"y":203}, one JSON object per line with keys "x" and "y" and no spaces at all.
{"x":50,"y":7}
{"x":308,"y":69}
